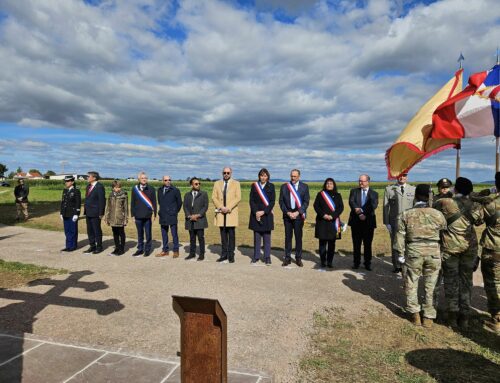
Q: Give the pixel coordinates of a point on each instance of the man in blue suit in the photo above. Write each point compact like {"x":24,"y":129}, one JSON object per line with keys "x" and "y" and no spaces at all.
{"x":363,"y":202}
{"x":294,"y":200}
{"x":170,"y":202}
{"x":95,"y":203}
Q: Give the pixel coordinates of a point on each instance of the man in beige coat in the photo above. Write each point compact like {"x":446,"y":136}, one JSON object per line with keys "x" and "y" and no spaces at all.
{"x":397,"y":199}
{"x":226,"y":196}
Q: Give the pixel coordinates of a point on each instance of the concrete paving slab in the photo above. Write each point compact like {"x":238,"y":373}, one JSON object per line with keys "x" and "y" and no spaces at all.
{"x":123,"y":368}
{"x":12,"y":347}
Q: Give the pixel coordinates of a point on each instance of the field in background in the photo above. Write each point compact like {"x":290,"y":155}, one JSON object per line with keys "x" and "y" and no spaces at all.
{"x":45,"y":197}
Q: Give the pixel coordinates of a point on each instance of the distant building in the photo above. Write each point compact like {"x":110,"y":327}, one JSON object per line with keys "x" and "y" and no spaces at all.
{"x":28,"y":175}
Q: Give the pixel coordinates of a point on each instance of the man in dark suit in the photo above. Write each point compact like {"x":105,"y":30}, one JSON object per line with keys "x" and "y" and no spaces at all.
{"x":142,"y":208}
{"x":363,"y":202}
{"x":95,"y":203}
{"x":195,"y":209}
{"x":294,"y":200}
{"x":170,"y":202}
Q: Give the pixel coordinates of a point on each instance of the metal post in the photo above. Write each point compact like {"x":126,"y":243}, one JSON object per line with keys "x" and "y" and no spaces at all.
{"x":457,"y":162}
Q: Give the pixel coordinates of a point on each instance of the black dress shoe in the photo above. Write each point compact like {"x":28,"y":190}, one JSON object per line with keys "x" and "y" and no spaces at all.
{"x":147,"y":253}
{"x":286,"y":262}
{"x":268,"y":262}
{"x":98,"y":250}
{"x":70,"y":250}
{"x":231,"y":259}
{"x":323,"y":265}
{"x":201,"y":258}
{"x":368,"y":267}
{"x":65,"y":249}
{"x":299,"y":262}
{"x":355,"y":267}
{"x":254,"y":261}
{"x":190,"y":256}
{"x":90,"y":250}
{"x":137,"y":253}
{"x":330,"y":266}
{"x":221,"y":259}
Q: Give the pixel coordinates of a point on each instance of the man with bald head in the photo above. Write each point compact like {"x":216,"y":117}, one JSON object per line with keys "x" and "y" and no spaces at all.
{"x":170,"y":202}
{"x":363,"y":201}
{"x":226,"y":196}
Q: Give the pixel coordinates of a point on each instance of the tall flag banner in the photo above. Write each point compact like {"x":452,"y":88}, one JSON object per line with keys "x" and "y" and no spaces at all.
{"x":415,"y":143}
{"x":474,"y":112}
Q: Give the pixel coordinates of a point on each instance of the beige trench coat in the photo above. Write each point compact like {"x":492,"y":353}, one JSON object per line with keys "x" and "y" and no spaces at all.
{"x":233,"y":198}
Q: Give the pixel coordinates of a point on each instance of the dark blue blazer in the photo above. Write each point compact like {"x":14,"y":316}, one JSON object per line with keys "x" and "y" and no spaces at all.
{"x":170,"y":203}
{"x":95,"y":202}
{"x":138,"y":208}
{"x":303,"y":193}
{"x":369,"y":207}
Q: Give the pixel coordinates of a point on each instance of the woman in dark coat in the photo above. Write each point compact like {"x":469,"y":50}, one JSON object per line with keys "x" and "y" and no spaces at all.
{"x":262,"y":199}
{"x":328,"y":206}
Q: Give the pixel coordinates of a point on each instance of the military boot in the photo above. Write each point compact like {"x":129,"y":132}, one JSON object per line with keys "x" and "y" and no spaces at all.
{"x":415,"y":319}
{"x":452,"y":319}
{"x":427,"y":322}
{"x":494,"y":323}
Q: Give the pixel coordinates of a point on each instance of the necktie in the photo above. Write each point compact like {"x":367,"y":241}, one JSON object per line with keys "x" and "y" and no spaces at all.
{"x":194,"y":196}
{"x":224,"y":192}
{"x":402,"y":189}
{"x":292,"y":200}
{"x":363,"y":197}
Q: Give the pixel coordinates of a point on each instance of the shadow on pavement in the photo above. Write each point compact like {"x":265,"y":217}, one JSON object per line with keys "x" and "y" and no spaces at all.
{"x":18,"y":318}
{"x":453,"y":366}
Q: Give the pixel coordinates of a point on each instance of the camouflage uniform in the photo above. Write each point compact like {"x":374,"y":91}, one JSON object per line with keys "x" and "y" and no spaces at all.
{"x":459,"y":248}
{"x":417,"y":239}
{"x":490,"y":257}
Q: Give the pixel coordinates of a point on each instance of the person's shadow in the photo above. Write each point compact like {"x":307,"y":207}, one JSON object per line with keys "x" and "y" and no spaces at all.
{"x":453,"y":366}
{"x":18,"y":318}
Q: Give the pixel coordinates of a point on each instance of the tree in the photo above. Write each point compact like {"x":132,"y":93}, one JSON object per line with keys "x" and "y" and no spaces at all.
{"x":3,"y":168}
{"x":49,"y":173}
{"x":11,"y":175}
{"x":34,"y":171}
{"x":19,"y":169}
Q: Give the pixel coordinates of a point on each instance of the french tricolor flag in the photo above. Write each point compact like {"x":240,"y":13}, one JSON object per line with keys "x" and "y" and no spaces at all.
{"x":474,"y":112}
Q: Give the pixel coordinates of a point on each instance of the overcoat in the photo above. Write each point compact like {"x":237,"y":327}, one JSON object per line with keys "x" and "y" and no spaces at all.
{"x":199,"y":206}
{"x":325,"y":229}
{"x":170,"y":202}
{"x":266,"y":222}
{"x":233,"y":198}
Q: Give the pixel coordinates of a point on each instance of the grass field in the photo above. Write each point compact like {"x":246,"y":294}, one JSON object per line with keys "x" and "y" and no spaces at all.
{"x":45,"y":197}
{"x":14,"y":274}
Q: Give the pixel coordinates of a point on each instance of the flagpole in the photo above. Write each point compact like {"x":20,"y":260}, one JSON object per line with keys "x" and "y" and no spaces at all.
{"x":459,"y":144}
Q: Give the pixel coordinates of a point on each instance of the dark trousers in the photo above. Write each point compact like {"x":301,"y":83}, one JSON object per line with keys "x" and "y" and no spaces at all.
{"x":143,"y":225}
{"x":293,"y":227}
{"x":259,"y":236}
{"x":94,"y":231}
{"x":200,"y":233}
{"x":164,"y":236}
{"x":326,"y":251}
{"x":362,"y":234}
{"x":228,"y":240}
{"x":119,"y":237}
{"x":71,"y":233}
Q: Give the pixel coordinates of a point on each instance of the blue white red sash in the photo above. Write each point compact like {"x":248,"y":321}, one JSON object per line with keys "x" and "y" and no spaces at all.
{"x":331,"y":205}
{"x":262,"y":193}
{"x":295,"y":196}
{"x":144,"y":198}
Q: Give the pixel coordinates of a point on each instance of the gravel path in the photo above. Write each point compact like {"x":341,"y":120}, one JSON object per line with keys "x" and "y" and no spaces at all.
{"x":270,"y":309}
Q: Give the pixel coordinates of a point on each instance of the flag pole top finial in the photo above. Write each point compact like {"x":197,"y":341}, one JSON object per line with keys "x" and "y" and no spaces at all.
{"x":498,"y":55}
{"x":460,"y":59}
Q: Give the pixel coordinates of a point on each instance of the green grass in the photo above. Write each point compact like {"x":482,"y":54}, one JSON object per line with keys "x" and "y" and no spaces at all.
{"x":15,"y":273}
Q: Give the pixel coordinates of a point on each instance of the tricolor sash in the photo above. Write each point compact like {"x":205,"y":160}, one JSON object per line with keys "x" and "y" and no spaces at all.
{"x":143,"y":197}
{"x":262,"y":194}
{"x":331,"y":205}
{"x":295,"y":196}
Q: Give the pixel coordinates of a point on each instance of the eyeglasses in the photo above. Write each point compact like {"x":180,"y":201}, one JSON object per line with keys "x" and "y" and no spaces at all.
{"x":166,"y":180}
{"x":226,"y":172}
{"x":196,"y":183}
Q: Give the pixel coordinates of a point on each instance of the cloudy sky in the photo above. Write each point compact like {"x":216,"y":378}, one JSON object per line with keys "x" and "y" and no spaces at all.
{"x":185,"y":87}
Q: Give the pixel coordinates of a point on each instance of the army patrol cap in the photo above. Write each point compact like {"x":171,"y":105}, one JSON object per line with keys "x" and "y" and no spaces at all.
{"x":69,"y":178}
{"x":444,"y":183}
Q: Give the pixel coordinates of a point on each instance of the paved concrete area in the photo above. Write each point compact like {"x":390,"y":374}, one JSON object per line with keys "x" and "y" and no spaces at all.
{"x":33,"y":360}
{"x":124,"y":305}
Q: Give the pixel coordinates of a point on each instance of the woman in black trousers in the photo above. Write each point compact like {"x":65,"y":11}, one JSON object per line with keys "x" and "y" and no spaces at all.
{"x":262,"y":199}
{"x":328,"y":206}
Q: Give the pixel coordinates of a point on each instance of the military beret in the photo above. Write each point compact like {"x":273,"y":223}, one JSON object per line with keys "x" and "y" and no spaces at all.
{"x":69,"y":178}
{"x":444,"y":183}
{"x":422,"y":190}
{"x":463,"y":185}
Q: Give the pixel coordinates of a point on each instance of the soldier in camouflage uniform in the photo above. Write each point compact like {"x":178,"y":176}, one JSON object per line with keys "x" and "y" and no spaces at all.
{"x":459,"y":248}
{"x":443,"y":185}
{"x":417,"y":239}
{"x":490,"y":257}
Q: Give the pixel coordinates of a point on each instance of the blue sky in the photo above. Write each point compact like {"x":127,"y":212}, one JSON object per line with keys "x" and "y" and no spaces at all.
{"x":187,"y":87}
